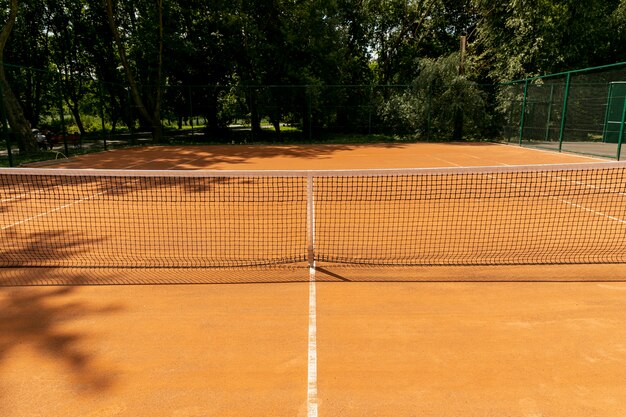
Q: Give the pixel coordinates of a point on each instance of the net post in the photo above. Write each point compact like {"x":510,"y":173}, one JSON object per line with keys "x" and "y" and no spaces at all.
{"x":310,"y":216}
{"x":564,"y":111}
{"x":523,"y":115}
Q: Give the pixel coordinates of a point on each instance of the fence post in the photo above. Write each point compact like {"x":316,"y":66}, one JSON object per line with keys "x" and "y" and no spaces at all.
{"x":190,"y":112}
{"x":429,"y":110}
{"x":549,"y":112}
{"x":5,"y":130}
{"x":252,"y":110}
{"x":63,"y":132}
{"x":606,"y":112}
{"x":369,"y":111}
{"x":104,"y":133}
{"x":131,"y":120}
{"x":309,"y":112}
{"x":523,"y":116}
{"x":510,"y":126}
{"x":621,"y":131}
{"x":564,"y":112}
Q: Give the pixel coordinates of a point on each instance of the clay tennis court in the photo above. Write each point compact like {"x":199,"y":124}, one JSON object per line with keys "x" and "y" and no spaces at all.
{"x":354,"y":340}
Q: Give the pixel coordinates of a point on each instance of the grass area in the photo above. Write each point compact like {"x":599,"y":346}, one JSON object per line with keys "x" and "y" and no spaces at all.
{"x":86,"y":146}
{"x":19,"y":159}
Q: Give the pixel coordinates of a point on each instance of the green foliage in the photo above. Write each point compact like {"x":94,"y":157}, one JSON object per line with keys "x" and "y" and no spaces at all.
{"x":519,"y":38}
{"x":434,"y":99}
{"x":219,"y":54}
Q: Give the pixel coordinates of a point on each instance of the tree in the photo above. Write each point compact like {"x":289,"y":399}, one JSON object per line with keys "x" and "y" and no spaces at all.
{"x":398,"y":27}
{"x":435,"y":98}
{"x":201,"y":43}
{"x":28,"y":53}
{"x":15,"y":115}
{"x":146,"y":21}
{"x":69,"y":40}
{"x":98,"y":47}
{"x":520,"y":38}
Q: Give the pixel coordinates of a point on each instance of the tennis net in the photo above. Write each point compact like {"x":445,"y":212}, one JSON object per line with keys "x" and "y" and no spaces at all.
{"x":543,"y":214}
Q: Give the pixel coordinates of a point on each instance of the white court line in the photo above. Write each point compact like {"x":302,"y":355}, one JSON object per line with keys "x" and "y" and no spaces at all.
{"x":580,"y":155}
{"x":579,"y":206}
{"x":188,"y":161}
{"x":58,"y":208}
{"x":447,"y":162}
{"x":312,"y":351}
{"x":617,"y":219}
{"x":312,"y":345}
{"x":17,"y":197}
{"x":52,"y":211}
{"x":584,"y":184}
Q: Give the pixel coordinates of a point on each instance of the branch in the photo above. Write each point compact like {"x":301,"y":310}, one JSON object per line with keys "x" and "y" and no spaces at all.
{"x":413,"y":27}
{"x":157,"y":110}
{"x":8,"y":27}
{"x":134,"y":91}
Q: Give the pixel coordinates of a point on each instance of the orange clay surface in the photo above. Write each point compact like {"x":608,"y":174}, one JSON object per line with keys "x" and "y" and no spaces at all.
{"x":439,"y":341}
{"x":387,"y":155}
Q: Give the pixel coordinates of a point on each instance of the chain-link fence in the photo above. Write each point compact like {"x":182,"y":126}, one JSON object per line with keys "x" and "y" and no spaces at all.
{"x":66,"y":116}
{"x":316,"y":112}
{"x":579,"y":111}
{"x":70,"y":116}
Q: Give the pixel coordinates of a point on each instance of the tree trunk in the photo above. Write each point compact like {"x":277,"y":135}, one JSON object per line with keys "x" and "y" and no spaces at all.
{"x":15,"y":114}
{"x":276,"y":124}
{"x":152,"y":118}
{"x":457,"y":134}
{"x":76,"y":115}
{"x":255,"y":120}
{"x":157,"y":133}
{"x":19,"y":125}
{"x":458,"y":114}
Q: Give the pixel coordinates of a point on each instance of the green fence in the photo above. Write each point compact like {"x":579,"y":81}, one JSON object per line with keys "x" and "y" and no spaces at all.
{"x":316,"y":112}
{"x":79,"y":115}
{"x":74,"y":115}
{"x":578,"y":111}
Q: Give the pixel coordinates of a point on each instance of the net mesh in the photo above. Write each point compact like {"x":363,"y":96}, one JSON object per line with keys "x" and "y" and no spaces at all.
{"x":485,"y":216}
{"x":160,"y":221}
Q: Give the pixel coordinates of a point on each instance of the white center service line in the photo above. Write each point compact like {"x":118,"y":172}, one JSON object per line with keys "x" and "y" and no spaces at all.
{"x":312,"y":361}
{"x":312,"y":350}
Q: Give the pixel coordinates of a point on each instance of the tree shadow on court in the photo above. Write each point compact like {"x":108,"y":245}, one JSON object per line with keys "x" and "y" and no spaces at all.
{"x":145,"y":244}
{"x":201,"y":157}
{"x":37,"y":317}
